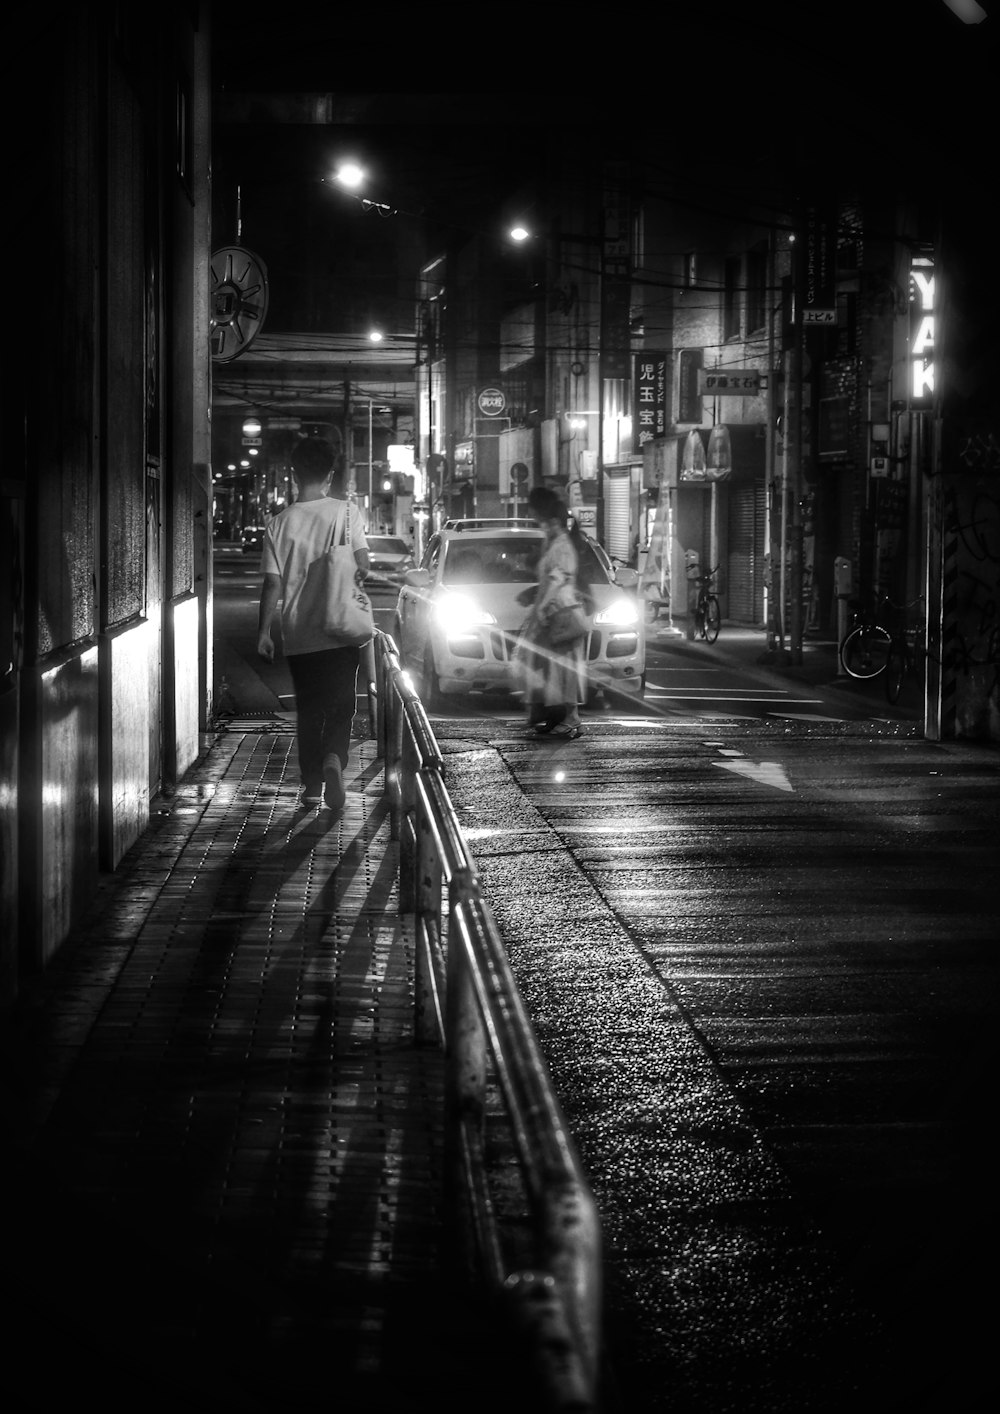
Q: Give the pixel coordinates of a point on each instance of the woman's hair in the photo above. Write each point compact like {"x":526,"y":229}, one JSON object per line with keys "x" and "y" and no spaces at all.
{"x":544,"y":504}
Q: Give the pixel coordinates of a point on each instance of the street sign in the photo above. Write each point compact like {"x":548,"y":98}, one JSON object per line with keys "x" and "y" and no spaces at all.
{"x":491,"y":402}
{"x":253,"y":441}
{"x":734,"y":382}
{"x":819,"y":316}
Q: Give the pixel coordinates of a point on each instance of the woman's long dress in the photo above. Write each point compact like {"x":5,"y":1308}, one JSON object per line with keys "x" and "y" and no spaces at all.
{"x":553,"y":677}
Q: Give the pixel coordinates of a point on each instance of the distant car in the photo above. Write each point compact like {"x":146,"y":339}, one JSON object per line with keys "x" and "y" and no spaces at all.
{"x":458,"y":615}
{"x":252,"y":539}
{"x":389,"y":559}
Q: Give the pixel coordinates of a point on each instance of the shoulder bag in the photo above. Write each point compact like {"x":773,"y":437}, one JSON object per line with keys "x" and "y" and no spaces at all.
{"x":343,"y":610}
{"x":566,"y":624}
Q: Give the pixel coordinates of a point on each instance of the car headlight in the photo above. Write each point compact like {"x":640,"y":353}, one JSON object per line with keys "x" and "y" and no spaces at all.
{"x":456,"y":613}
{"x":621,"y":613}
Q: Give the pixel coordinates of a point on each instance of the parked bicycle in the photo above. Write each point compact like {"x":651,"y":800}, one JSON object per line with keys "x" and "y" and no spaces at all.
{"x":707,"y":619}
{"x":905,"y":653}
{"x":869,"y":644}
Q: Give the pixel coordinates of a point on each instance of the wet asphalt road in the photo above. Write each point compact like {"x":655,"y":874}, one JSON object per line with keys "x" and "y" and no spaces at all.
{"x":759,"y":951}
{"x":762,"y":966}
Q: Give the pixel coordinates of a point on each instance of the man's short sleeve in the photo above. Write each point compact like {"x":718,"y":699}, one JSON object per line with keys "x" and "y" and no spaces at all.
{"x":268,"y":556}
{"x":359,"y":540}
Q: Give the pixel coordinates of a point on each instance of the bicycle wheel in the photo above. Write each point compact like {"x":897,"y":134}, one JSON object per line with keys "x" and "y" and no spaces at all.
{"x":895,"y":671}
{"x":712,"y":618}
{"x":865,"y":650}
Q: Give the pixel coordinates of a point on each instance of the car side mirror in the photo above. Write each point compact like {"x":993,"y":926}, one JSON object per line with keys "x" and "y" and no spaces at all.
{"x":418,"y":579}
{"x":626,"y":577}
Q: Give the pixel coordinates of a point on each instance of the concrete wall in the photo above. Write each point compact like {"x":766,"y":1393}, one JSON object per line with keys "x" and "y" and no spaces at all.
{"x":184,"y":637}
{"x":66,"y":846}
{"x":125,"y":737}
{"x":105,"y":453}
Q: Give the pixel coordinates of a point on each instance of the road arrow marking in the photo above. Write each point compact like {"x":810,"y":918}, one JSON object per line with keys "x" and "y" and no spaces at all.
{"x":767,"y":773}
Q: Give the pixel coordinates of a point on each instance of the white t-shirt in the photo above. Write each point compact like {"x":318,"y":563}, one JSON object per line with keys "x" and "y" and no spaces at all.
{"x":299,"y":534}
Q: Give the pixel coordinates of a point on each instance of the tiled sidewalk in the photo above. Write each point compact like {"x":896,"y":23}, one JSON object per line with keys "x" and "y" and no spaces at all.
{"x":225,"y":1146}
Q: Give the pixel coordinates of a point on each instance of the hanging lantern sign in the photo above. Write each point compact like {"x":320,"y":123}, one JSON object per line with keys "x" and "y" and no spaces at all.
{"x":693,"y":465}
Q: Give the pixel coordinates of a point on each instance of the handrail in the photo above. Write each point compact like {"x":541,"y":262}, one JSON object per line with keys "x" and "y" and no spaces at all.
{"x":467,"y":1002}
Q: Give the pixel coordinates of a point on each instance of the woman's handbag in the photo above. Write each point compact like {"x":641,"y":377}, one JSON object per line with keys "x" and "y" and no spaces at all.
{"x":566,"y":624}
{"x":343,"y":611}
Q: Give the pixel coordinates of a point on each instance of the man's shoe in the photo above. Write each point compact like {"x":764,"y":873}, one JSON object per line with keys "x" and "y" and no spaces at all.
{"x":333,"y":783}
{"x":311,"y":797}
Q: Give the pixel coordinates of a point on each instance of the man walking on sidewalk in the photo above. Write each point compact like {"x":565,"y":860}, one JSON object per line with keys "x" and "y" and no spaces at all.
{"x":325,"y":679}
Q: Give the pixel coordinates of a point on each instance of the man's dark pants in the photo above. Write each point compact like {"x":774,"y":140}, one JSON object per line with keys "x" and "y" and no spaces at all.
{"x":326,"y":687}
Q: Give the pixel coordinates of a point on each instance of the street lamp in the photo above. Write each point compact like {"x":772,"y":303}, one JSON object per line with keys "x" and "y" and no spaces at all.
{"x":350,"y":175}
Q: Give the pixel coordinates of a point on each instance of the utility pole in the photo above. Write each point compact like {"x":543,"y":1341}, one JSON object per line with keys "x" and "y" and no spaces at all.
{"x":793,"y":442}
{"x":351,"y":482}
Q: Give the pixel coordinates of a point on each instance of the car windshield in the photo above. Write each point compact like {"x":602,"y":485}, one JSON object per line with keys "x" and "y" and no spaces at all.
{"x":387,"y":545}
{"x":505,"y":559}
{"x":590,"y":570}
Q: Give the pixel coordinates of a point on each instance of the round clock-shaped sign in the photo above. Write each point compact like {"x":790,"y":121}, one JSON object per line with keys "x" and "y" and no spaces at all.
{"x":239,"y":301}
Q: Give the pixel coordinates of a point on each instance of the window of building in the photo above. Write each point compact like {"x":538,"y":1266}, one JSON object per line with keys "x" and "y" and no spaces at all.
{"x":757,"y":286}
{"x":689,"y":405}
{"x":731,"y":298}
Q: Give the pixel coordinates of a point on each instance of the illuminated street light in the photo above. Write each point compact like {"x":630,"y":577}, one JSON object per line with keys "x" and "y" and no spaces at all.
{"x":252,"y":426}
{"x":350,"y":174}
{"x":519,"y":233}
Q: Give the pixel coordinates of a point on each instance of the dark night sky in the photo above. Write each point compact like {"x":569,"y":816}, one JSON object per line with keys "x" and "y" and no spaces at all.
{"x":447,"y":104}
{"x":451,"y":97}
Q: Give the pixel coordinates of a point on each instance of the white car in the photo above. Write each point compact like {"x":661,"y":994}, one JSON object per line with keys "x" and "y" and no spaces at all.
{"x":389,"y":557}
{"x":459,"y":614}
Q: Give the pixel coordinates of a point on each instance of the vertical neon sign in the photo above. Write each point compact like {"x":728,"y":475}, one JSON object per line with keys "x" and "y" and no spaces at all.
{"x":921,"y":332}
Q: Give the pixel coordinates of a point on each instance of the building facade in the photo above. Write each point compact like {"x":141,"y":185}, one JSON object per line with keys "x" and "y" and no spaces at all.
{"x":746,"y":379}
{"x":105,"y":509}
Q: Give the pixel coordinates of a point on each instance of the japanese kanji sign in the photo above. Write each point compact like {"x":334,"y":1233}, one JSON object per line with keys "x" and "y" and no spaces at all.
{"x":741,"y":382}
{"x":649,"y":381}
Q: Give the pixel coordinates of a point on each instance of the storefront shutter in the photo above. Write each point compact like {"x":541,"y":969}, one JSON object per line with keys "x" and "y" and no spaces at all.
{"x":745,"y":578}
{"x":617,"y":512}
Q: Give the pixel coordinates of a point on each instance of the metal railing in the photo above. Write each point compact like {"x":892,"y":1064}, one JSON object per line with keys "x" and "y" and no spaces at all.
{"x":527,"y":1220}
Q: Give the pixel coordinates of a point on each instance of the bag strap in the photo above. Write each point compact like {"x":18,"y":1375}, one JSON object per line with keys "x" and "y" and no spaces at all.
{"x":342,"y":523}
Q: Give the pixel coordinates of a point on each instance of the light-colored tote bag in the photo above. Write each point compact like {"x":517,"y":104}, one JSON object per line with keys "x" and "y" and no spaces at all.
{"x":337,"y":603}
